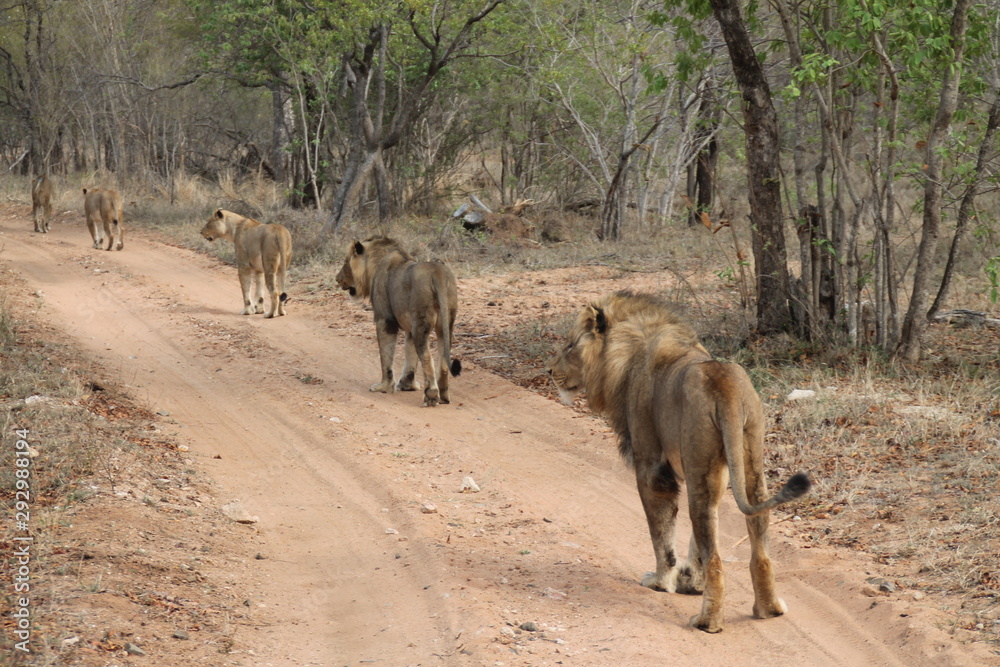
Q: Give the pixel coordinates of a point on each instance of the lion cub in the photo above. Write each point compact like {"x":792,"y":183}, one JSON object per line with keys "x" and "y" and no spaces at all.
{"x":104,"y":207}
{"x":263,"y":253}
{"x":41,"y":199}
{"x":681,"y":416}
{"x":415,"y":297}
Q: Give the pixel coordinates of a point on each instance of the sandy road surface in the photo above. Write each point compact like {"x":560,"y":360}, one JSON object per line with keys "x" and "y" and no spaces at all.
{"x":356,"y":572}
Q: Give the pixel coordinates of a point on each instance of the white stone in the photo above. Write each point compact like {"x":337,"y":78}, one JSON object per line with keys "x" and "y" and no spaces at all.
{"x":801,"y":393}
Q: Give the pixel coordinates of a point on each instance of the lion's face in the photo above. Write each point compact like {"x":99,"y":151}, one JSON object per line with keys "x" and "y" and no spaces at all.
{"x":585,"y":341}
{"x":566,"y":369}
{"x":215,"y":227}
{"x":354,"y":265}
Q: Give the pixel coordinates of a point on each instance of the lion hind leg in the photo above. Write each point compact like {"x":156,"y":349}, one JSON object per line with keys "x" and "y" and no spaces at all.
{"x":421,"y":343}
{"x":766,"y":604}
{"x":258,"y":300}
{"x":691,"y":577}
{"x":274,"y":297}
{"x":704,"y":507}
{"x":281,"y":273}
{"x":96,"y":233}
{"x":443,"y":359}
{"x":710,"y":618}
{"x":386,"y":335}
{"x":408,"y":377}
{"x":658,"y":490}
{"x":246,"y":288}
{"x":109,"y":233}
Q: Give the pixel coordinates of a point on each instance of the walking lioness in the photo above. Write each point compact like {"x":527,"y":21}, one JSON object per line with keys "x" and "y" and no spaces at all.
{"x":415,"y":297}
{"x":681,"y":416}
{"x":41,"y":200}
{"x":263,"y":253}
{"x":103,"y":209}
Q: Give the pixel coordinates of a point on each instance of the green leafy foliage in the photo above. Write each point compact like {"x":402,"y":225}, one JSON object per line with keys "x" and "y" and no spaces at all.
{"x":992,"y":270}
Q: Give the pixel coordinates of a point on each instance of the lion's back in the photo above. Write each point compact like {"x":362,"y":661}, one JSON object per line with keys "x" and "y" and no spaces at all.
{"x":409,"y":289}
{"x":103,"y":202}
{"x":41,"y":191}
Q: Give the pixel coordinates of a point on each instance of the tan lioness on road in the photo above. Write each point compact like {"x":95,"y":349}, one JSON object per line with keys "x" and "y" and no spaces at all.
{"x":263,"y":253}
{"x":41,"y":199}
{"x":104,"y":217}
{"x":417,"y":298}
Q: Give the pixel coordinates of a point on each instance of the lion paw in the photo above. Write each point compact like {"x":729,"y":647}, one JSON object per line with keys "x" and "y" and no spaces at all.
{"x":666,"y":583}
{"x":408,"y":383}
{"x":777,"y":608}
{"x":431,"y":397}
{"x":688,"y":582}
{"x":707,"y":623}
{"x":381,"y":388}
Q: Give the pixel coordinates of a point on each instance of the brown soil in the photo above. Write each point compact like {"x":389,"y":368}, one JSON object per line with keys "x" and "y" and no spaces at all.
{"x":347,"y":562}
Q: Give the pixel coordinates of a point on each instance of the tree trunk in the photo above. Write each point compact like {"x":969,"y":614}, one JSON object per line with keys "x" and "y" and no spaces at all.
{"x":282,"y":121}
{"x":884,"y":284}
{"x":359,"y":167}
{"x":968,"y":200}
{"x":30,"y":108}
{"x":915,"y":323}
{"x":809,"y":219}
{"x":701,"y":172}
{"x":763,"y":171}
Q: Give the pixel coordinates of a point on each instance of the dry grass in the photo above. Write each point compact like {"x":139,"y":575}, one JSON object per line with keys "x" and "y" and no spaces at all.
{"x":97,"y":464}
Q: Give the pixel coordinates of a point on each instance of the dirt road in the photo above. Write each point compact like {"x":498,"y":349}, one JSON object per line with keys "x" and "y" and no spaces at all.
{"x":357,"y":567}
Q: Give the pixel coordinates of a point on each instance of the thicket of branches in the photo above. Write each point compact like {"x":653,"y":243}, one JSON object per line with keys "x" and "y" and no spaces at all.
{"x":858,"y":118}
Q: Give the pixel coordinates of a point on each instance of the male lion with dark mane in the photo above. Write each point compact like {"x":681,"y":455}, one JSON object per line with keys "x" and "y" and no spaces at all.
{"x":415,"y":297}
{"x":680,"y":415}
{"x":263,"y":253}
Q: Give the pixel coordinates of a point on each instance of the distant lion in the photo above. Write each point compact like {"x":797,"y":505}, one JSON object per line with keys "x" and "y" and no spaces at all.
{"x":263,"y":253}
{"x":415,"y":297}
{"x":680,"y":415}
{"x":41,"y":199}
{"x":104,"y":217}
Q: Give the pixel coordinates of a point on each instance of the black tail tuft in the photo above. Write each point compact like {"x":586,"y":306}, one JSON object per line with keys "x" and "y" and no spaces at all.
{"x":797,"y":486}
{"x":283,"y":297}
{"x":456,"y":367}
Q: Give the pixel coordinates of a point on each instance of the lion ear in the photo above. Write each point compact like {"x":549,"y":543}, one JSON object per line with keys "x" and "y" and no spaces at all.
{"x":218,"y":213}
{"x":596,"y":322}
{"x":600,"y":321}
{"x":359,"y":248}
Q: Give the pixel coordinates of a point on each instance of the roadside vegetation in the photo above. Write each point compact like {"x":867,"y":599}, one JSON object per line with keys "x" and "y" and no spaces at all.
{"x":104,"y":476}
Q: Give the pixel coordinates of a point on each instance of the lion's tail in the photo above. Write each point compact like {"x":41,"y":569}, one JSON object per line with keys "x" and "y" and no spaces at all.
{"x":732,"y":437}
{"x":447,"y":322}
